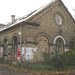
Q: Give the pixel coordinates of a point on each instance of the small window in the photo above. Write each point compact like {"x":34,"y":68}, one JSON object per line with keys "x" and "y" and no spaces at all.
{"x":71,"y":44}
{"x":5,"y":41}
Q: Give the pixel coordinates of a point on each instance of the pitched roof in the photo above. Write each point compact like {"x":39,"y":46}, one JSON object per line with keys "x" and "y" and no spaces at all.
{"x":26,"y":17}
{"x":2,"y":24}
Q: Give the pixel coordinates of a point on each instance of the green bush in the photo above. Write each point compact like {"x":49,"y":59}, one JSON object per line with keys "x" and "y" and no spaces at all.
{"x":58,"y":63}
{"x":41,"y":67}
{"x":69,"y":58}
{"x":46,"y":57}
{"x":65,"y":60}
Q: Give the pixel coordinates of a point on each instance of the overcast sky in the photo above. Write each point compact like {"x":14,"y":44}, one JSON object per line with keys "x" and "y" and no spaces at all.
{"x":23,"y":7}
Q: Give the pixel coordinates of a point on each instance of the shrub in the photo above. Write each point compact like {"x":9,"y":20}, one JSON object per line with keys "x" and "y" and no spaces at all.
{"x":57,"y":62}
{"x":41,"y":67}
{"x":64,"y":60}
{"x":69,"y":58}
{"x":46,"y":57}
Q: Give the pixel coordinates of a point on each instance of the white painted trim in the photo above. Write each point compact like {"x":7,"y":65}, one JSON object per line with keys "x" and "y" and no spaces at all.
{"x":59,"y":37}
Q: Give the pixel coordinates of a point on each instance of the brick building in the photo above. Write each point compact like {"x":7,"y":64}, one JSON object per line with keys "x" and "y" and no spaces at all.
{"x":48,"y":29}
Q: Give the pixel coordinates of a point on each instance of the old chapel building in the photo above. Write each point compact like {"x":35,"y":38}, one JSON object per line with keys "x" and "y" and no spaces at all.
{"x":48,"y":29}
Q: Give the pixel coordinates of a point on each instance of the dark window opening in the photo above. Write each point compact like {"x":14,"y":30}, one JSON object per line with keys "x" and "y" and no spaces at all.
{"x":71,"y":45}
{"x":59,"y":46}
{"x":15,"y":41}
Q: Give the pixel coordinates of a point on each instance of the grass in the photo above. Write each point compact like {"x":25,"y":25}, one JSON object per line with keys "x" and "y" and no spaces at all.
{"x":70,"y":68}
{"x":36,"y":67}
{"x":41,"y":67}
{"x":5,"y":62}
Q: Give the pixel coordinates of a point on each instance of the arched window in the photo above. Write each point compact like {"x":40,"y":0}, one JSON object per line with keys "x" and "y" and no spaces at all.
{"x":43,"y":44}
{"x":15,"y":44}
{"x":59,"y":46}
{"x":71,"y":44}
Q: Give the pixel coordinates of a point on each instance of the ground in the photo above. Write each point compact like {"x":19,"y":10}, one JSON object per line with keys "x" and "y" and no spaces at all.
{"x":5,"y":70}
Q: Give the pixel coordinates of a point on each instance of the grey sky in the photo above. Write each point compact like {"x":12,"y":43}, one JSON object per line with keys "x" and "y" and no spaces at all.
{"x":23,"y":7}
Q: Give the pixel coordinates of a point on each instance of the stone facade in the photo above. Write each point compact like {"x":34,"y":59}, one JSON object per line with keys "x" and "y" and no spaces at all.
{"x":49,"y":30}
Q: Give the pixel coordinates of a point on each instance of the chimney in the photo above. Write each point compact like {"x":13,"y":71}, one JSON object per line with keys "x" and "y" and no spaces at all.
{"x":12,"y":18}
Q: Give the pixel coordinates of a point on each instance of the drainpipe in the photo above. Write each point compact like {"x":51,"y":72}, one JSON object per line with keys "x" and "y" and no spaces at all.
{"x":21,"y":42}
{"x":20,"y":34}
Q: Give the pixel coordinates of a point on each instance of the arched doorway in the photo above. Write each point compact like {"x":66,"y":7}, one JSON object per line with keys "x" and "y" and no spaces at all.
{"x":59,"y":46}
{"x":15,"y":46}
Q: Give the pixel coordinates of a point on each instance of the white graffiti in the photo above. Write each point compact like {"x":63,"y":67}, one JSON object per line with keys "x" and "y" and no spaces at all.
{"x":27,"y":53}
